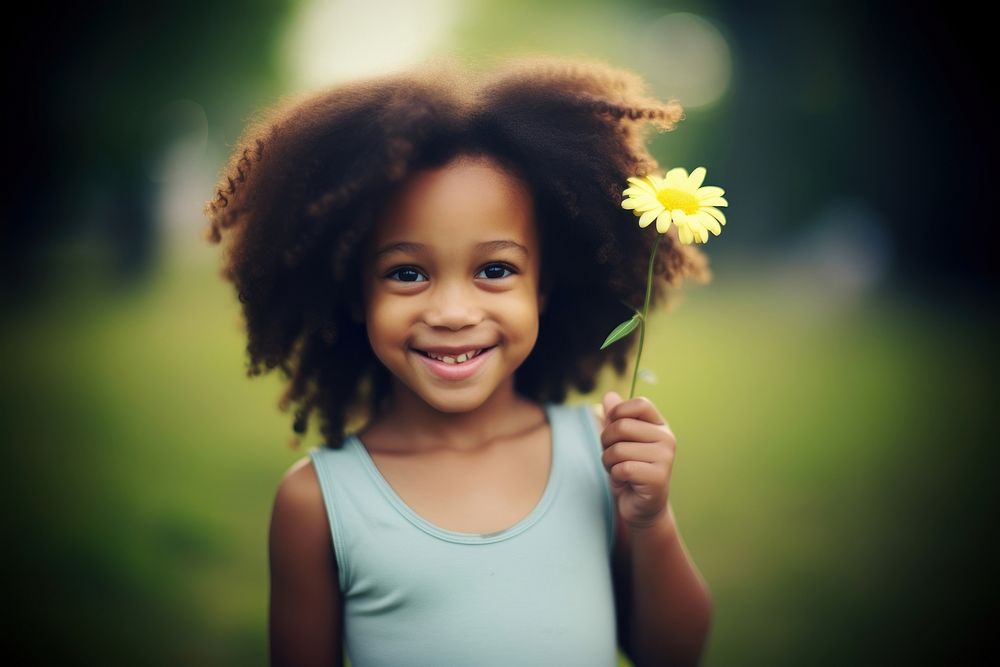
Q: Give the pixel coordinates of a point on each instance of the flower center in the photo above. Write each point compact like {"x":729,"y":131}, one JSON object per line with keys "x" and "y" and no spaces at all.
{"x":671,"y":199}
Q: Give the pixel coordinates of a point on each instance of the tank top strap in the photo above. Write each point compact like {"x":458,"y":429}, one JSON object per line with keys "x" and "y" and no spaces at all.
{"x":351,"y":502}
{"x":582,"y":449}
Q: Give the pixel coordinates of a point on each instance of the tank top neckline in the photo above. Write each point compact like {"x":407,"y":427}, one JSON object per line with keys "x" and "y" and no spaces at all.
{"x":555,"y":467}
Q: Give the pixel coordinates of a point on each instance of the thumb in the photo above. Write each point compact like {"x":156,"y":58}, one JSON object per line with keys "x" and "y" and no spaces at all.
{"x":610,"y":400}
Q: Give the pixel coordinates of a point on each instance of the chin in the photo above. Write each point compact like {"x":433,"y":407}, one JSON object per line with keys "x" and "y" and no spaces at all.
{"x":453,"y":402}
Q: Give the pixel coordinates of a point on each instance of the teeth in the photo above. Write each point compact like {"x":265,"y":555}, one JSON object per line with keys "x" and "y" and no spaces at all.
{"x":465,"y":356}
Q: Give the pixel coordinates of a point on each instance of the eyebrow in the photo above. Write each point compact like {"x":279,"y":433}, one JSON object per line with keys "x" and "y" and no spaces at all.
{"x":417,"y":248}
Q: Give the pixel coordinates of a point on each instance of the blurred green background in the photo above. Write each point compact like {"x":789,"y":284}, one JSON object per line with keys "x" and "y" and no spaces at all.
{"x":830,"y":389}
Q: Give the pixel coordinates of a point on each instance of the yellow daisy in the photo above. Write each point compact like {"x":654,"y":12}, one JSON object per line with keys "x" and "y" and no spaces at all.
{"x":679,"y":198}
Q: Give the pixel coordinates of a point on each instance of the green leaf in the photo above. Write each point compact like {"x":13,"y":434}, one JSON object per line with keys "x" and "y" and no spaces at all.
{"x":622,"y":330}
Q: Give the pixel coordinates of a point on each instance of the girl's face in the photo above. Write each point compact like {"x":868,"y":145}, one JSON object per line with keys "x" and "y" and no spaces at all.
{"x":454,"y":263}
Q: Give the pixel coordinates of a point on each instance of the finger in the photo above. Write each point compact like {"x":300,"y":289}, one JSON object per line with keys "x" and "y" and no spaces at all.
{"x":610,"y":400}
{"x":635,"y":430}
{"x":631,"y":451}
{"x":639,"y":407}
{"x":636,"y":473}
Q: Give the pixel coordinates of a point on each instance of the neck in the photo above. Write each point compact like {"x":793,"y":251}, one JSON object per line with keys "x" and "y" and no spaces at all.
{"x":424,"y":427}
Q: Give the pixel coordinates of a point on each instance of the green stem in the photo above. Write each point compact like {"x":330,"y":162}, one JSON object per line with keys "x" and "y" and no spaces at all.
{"x":645,"y":310}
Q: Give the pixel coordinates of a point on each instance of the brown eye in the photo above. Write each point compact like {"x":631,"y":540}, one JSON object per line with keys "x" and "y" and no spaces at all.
{"x":494,"y":268}
{"x":407,"y":271}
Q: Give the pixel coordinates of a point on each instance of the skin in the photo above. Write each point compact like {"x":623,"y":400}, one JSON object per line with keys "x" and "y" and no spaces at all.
{"x":450,"y":293}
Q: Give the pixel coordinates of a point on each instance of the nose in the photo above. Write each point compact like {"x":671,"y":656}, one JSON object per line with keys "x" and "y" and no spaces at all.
{"x":453,"y":305}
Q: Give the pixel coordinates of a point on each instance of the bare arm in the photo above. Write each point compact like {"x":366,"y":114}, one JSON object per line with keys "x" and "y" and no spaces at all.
{"x":671,"y":605}
{"x":305,"y":603}
{"x":663,"y":605}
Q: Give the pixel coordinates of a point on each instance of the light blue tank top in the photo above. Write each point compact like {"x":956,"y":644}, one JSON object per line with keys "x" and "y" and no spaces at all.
{"x":536,"y":593}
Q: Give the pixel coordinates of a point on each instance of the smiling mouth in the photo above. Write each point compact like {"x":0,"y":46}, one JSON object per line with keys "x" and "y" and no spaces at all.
{"x":455,"y":361}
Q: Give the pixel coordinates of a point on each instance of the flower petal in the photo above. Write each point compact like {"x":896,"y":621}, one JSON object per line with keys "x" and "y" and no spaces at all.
{"x":714,"y":201}
{"x":641,"y":183}
{"x":663,"y":222}
{"x":638,"y":196}
{"x":648,"y":217}
{"x":680,"y":218}
{"x":709,"y":222}
{"x":715,"y":213}
{"x":676,"y":178}
{"x":696,"y":178}
{"x":709,"y":191}
{"x":685,"y":234}
{"x":640,"y":203}
{"x":647,"y":206}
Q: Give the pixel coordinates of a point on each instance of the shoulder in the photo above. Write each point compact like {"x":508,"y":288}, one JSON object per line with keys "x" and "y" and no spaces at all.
{"x":299,"y":484}
{"x":298,"y":506}
{"x":300,"y":544}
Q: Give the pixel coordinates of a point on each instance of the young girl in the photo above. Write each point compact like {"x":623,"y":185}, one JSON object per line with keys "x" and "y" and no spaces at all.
{"x":442,"y":252}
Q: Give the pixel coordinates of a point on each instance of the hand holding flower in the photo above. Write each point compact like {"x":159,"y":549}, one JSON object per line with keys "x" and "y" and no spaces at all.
{"x":639,"y":455}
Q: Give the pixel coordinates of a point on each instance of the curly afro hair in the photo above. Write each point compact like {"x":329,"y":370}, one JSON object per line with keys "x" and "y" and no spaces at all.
{"x":310,"y":175}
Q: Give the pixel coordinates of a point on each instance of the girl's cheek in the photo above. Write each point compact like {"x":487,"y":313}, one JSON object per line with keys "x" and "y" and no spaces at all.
{"x":524,"y":320}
